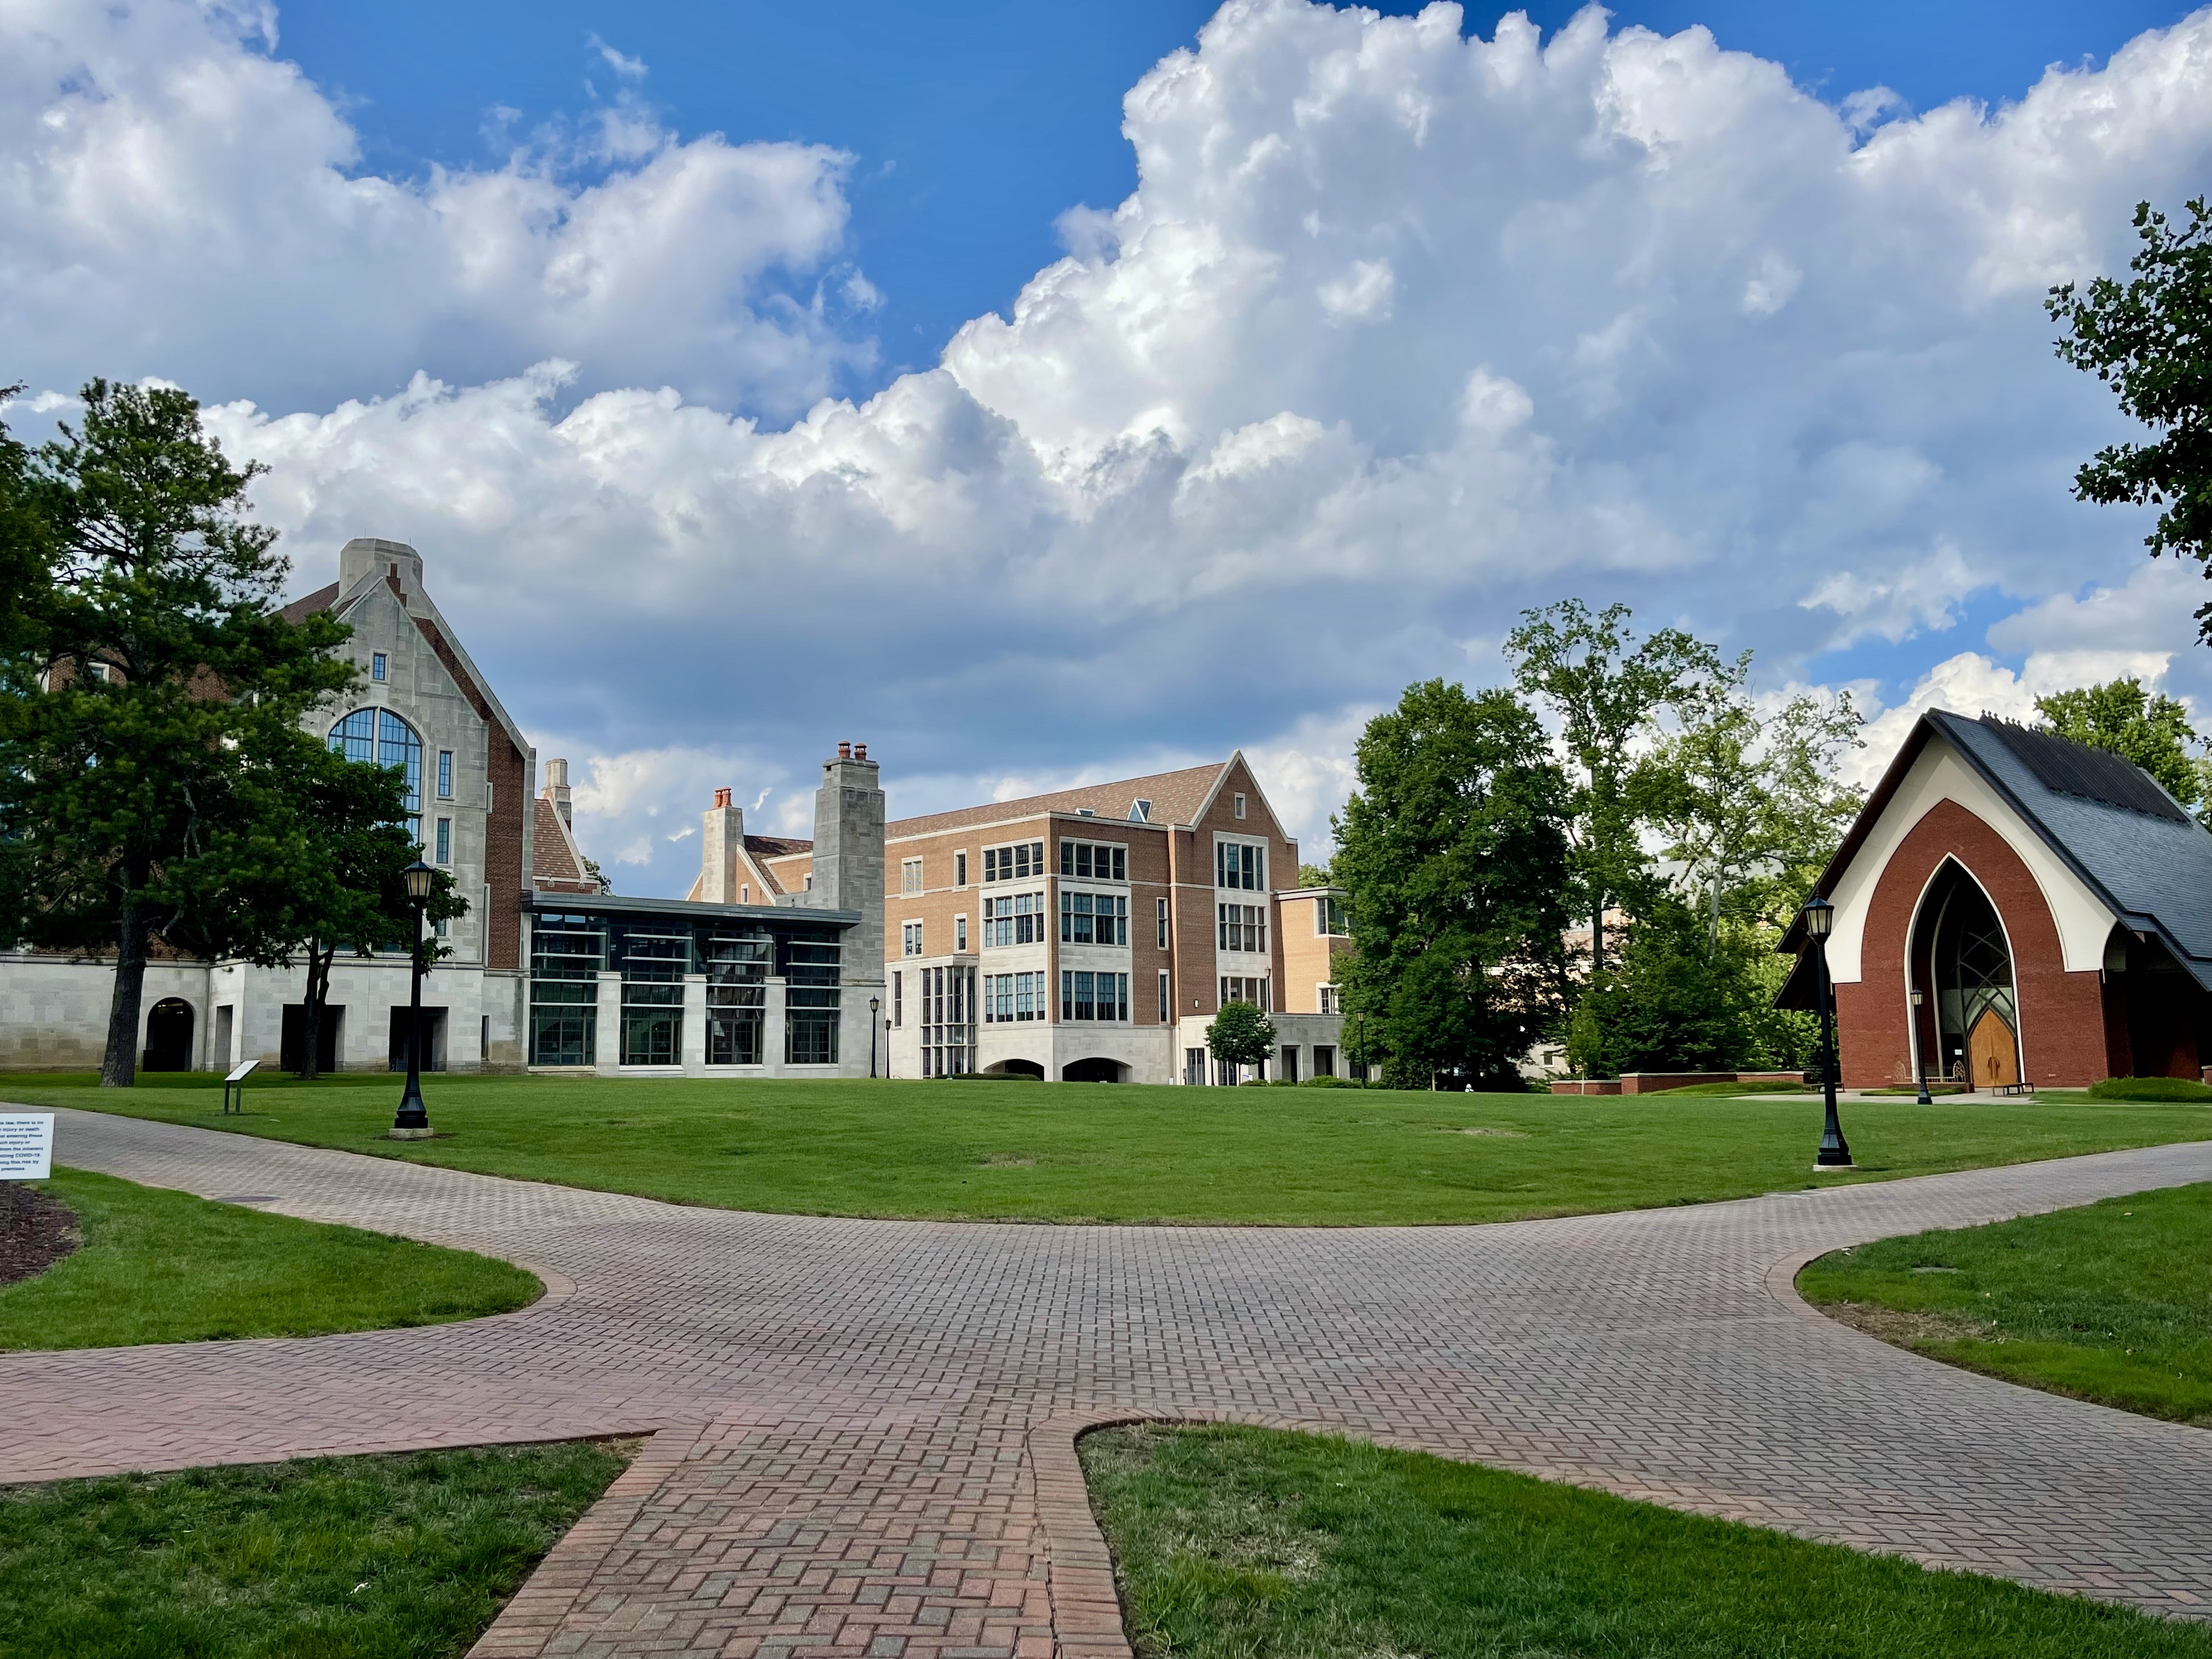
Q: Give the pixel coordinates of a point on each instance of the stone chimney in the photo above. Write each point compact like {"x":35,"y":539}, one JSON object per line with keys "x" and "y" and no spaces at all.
{"x":722,"y":841}
{"x":364,"y":554}
{"x":556,"y":790}
{"x":849,"y":856}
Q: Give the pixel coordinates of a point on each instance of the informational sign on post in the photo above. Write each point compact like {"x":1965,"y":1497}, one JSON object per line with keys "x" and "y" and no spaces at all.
{"x":26,"y":1146}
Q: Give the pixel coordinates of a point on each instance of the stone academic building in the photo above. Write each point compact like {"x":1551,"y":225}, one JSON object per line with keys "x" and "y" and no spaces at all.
{"x":546,"y":970}
{"x":2015,"y":909}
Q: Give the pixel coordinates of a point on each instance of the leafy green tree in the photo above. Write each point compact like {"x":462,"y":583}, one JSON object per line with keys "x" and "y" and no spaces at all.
{"x":1314,"y":875}
{"x":2150,"y":340}
{"x":2152,"y":729}
{"x":1453,"y":855}
{"x":1674,"y":1003}
{"x":150,"y":714}
{"x":1240,"y":1035}
{"x":350,"y":894}
{"x":1750,"y":802}
{"x":1605,"y":687}
{"x":25,"y":539}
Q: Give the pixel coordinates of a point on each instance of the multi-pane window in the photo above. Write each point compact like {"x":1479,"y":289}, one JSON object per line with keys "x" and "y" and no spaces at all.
{"x":652,"y":969}
{"x":910,"y":876}
{"x":1093,"y":919}
{"x":381,"y":738}
{"x":1094,"y":862}
{"x":1244,"y":989}
{"x":959,"y":869}
{"x":1015,"y":919}
{"x":898,"y":999}
{"x":1239,"y":866}
{"x":1193,"y":1066}
{"x":910,"y":940}
{"x":445,"y":775}
{"x":960,"y":934}
{"x":1160,"y":923}
{"x":1328,"y":916}
{"x":445,"y":844}
{"x":948,"y":1014}
{"x":1330,"y":1002}
{"x":1011,"y":997}
{"x":1240,"y":805}
{"x":1093,"y":996}
{"x":1024,"y":862}
{"x":736,"y":998}
{"x":1163,"y":996}
{"x":810,"y":1000}
{"x":376,"y":666}
{"x":1243,"y":927}
{"x":566,"y":954}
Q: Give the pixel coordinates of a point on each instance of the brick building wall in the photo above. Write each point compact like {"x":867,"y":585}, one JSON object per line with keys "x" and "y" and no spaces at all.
{"x":2062,"y":1024}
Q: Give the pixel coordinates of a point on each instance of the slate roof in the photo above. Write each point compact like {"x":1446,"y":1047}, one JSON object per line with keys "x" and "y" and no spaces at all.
{"x":2131,"y":843}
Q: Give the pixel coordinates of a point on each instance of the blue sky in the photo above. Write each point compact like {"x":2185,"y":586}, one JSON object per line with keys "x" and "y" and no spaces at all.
{"x":976,"y":126}
{"x":1045,"y":394}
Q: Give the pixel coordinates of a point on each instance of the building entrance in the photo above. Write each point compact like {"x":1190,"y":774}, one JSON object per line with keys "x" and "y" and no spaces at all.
{"x":168,"y":1036}
{"x":1960,"y":948}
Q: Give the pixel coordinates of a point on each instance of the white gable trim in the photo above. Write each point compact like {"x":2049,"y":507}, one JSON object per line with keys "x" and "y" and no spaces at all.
{"x":1938,"y":773}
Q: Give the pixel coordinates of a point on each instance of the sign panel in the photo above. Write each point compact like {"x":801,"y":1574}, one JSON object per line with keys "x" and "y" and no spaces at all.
{"x":26,"y":1146}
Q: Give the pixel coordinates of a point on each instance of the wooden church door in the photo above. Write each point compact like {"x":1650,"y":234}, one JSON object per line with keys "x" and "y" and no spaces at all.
{"x":1993,"y":1052}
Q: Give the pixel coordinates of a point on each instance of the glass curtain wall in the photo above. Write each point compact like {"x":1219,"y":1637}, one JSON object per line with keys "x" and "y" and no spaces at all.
{"x":811,"y":999}
{"x":652,"y":969}
{"x":565,"y":955}
{"x":736,"y":998}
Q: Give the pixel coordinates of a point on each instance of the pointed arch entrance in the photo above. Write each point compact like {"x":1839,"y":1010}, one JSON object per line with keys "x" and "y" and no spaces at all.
{"x":1961,"y":953}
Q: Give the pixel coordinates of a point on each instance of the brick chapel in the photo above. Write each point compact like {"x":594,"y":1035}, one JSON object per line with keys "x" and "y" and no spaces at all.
{"x":2049,"y":903}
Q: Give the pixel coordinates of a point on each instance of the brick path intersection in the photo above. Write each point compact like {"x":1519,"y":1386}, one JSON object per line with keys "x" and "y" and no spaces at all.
{"x":863,"y":1430}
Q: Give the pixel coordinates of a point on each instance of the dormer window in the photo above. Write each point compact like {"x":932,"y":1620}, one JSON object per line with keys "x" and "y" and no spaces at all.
{"x":1140,"y":811}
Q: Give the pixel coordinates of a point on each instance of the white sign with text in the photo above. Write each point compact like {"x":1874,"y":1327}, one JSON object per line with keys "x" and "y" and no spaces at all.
{"x":26,"y":1146}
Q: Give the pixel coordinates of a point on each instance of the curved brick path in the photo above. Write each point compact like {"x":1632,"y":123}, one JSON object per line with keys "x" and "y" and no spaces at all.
{"x":867,"y":1423}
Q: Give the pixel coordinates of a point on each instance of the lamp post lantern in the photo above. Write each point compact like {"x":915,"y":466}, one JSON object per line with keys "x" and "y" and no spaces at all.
{"x":1819,"y":918}
{"x":413,"y":1122}
{"x":874,"y":1004}
{"x":1919,"y":1047}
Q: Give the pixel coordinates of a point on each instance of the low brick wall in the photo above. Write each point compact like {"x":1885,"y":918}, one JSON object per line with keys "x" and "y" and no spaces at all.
{"x":1652,"y":1083}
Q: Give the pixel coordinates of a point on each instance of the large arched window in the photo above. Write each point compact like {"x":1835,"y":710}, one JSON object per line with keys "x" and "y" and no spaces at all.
{"x":382,"y":738}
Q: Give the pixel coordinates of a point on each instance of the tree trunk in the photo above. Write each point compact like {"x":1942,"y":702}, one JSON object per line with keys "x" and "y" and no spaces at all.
{"x":1597,"y":936}
{"x":311,"y":1012}
{"x":118,"y":1068}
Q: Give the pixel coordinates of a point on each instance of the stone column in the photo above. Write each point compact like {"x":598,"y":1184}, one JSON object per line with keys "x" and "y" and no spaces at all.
{"x":694,"y":1025}
{"x":772,"y":1034}
{"x":609,"y":1039}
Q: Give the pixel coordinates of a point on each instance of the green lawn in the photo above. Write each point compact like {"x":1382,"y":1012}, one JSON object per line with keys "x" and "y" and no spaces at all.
{"x":1096,"y":1153}
{"x":164,"y":1267}
{"x":1245,"y":1544}
{"x":333,"y":1557}
{"x":2110,"y":1303}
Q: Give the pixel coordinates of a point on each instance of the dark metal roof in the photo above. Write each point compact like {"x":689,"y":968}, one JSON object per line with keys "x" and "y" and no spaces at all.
{"x":2132,"y":844}
{"x":687,"y":910}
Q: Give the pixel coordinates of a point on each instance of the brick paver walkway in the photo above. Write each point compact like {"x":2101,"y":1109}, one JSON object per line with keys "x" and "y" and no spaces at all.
{"x":864,"y":1429}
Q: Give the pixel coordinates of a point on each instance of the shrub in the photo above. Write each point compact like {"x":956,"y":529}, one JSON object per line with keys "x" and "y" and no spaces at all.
{"x":1332,"y":1083}
{"x":993,"y":1077}
{"x":2149,"y":1088}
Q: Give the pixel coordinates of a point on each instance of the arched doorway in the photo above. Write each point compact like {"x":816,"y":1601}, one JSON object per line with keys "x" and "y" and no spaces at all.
{"x":1018,"y":1068}
{"x":1095,"y":1070}
{"x":1959,"y":946}
{"x":168,"y":1036}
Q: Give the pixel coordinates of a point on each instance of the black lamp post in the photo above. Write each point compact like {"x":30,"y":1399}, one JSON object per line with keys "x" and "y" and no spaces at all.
{"x":874,"y":1004}
{"x":1819,"y":918}
{"x":1919,"y":1047}
{"x":1363,"y":1048}
{"x":413,"y":1122}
